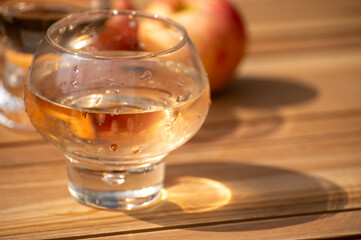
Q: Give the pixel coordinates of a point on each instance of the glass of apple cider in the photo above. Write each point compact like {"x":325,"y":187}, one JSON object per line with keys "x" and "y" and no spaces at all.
{"x":116,"y":91}
{"x":23,"y":23}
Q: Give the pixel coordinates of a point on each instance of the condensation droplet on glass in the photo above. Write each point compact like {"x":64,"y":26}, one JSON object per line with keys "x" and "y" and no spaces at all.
{"x":146,"y":75}
{"x":136,"y":149}
{"x":76,"y":69}
{"x":117,"y":111}
{"x":116,"y":90}
{"x":90,"y":141}
{"x":75,"y":84}
{"x":131,"y":15}
{"x":114,"y":147}
{"x":110,"y":82}
{"x":176,"y":117}
{"x":85,"y":30}
{"x":62,"y":30}
{"x":179,"y":99}
{"x":85,"y":114}
{"x":98,"y":100}
{"x":70,"y":27}
{"x":168,"y":112}
{"x":107,"y":91}
{"x":114,"y":12}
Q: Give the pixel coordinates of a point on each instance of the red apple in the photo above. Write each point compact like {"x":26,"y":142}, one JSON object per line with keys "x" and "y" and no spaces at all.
{"x":118,"y":34}
{"x":122,"y":4}
{"x":217,"y":31}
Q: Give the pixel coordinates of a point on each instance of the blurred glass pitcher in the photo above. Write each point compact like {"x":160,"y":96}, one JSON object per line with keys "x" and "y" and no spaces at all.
{"x":23,"y":24}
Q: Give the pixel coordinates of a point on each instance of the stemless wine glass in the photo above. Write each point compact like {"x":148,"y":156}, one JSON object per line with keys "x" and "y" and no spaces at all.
{"x":116,"y":91}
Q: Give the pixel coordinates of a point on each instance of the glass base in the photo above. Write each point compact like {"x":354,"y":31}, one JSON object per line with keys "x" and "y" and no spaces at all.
{"x":123,"y":188}
{"x":116,"y":200}
{"x":12,"y":111}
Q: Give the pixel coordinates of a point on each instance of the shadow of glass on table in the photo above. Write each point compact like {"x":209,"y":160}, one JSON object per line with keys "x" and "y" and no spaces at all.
{"x":270,"y":92}
{"x":263,"y":96}
{"x":213,"y":193}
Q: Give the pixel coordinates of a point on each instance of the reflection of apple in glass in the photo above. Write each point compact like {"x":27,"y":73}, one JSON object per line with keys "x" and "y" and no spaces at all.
{"x":217,"y":31}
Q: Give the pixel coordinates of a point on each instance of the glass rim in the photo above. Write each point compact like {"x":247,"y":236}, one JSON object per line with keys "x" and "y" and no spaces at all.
{"x":19,"y":4}
{"x":63,"y":22}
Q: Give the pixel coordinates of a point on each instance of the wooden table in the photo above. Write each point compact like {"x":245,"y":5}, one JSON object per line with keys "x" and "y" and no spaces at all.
{"x":279,"y":156}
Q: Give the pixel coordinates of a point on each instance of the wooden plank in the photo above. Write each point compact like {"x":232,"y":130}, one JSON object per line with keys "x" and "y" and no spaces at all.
{"x":343,"y":225}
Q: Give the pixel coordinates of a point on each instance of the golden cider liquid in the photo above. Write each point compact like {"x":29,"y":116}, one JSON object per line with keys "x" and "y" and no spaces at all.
{"x":121,"y":121}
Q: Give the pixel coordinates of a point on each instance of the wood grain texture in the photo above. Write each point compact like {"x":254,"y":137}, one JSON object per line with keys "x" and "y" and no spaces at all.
{"x":262,"y":186}
{"x":279,"y":156}
{"x":278,"y":25}
{"x":308,"y":226}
